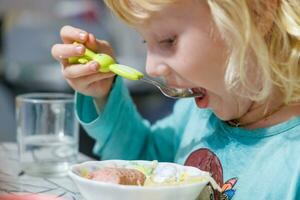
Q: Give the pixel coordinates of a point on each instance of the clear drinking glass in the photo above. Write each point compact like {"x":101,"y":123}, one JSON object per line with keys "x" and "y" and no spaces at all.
{"x":47,"y":133}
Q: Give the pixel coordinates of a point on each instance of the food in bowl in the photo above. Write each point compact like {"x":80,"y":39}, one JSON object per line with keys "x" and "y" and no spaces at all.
{"x":151,"y":174}
{"x":139,"y":180}
{"x":120,"y":176}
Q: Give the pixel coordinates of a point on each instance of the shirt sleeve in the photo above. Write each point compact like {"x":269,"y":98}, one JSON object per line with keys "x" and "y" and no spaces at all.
{"x":121,"y":133}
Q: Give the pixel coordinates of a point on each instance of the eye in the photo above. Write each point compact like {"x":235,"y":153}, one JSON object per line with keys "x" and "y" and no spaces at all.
{"x":169,"y":41}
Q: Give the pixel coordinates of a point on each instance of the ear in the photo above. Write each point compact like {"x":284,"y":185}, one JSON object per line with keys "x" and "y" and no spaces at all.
{"x":264,"y":12}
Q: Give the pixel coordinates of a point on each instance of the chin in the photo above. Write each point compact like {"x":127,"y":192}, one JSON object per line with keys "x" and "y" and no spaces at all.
{"x":223,"y":116}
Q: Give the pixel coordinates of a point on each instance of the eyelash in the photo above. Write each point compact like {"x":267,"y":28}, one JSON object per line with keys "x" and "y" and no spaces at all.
{"x":169,"y":41}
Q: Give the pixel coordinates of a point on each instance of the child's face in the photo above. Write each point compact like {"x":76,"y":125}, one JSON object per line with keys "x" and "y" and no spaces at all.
{"x":184,"y":47}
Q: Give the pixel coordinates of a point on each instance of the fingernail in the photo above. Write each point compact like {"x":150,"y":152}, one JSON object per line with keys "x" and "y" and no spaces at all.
{"x":79,"y":49}
{"x":94,"y":66}
{"x":82,"y":35}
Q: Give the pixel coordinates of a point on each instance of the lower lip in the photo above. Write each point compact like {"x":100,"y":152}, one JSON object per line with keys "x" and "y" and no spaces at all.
{"x":202,"y":102}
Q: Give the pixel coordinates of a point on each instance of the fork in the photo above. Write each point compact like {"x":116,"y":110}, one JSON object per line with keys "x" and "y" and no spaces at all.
{"x":107,"y":64}
{"x":174,"y":93}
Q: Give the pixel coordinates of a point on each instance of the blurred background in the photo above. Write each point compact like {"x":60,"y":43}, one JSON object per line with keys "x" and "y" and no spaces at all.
{"x":29,"y":28}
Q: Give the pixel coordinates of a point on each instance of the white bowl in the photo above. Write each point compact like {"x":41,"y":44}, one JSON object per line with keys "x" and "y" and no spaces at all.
{"x":95,"y":190}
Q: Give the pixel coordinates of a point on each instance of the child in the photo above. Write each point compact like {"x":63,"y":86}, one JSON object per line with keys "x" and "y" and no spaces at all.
{"x":244,"y":55}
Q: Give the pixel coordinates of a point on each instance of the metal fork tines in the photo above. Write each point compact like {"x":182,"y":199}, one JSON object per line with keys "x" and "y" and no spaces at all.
{"x":173,"y":92}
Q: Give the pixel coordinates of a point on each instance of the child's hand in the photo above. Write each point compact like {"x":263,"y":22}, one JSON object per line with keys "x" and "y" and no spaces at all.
{"x":84,"y":78}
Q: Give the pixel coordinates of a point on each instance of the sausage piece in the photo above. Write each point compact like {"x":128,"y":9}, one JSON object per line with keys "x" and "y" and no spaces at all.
{"x":120,"y":176}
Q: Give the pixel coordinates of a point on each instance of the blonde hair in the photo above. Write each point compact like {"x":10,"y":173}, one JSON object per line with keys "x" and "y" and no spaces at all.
{"x":269,"y":31}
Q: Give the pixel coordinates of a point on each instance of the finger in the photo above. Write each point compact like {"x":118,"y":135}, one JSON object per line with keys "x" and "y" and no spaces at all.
{"x":101,"y":46}
{"x":82,"y":83}
{"x":64,"y":51}
{"x":69,"y":34}
{"x":79,"y":70}
{"x":97,"y":77}
{"x":91,"y":42}
{"x":104,"y":47}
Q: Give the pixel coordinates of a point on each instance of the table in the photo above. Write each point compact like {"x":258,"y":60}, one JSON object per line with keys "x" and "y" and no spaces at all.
{"x":13,"y":180}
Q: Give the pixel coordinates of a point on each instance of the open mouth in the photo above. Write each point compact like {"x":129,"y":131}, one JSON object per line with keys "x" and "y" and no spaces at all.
{"x":200,"y":91}
{"x":201,"y":101}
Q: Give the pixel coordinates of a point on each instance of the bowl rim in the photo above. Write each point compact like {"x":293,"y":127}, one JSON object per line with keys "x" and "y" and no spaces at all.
{"x":81,"y":179}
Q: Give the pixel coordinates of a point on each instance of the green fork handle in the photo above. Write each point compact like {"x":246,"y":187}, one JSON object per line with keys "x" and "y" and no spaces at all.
{"x":107,"y":64}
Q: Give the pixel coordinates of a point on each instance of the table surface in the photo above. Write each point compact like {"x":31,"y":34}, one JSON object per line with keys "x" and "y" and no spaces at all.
{"x":12,"y":180}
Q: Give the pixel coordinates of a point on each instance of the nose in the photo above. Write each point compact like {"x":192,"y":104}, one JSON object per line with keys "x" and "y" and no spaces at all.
{"x":156,"y":66}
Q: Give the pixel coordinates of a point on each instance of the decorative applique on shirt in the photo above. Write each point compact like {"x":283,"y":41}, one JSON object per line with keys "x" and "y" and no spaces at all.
{"x":206,"y":160}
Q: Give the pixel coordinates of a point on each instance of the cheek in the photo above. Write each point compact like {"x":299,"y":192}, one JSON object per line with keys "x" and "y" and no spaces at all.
{"x":203,"y":61}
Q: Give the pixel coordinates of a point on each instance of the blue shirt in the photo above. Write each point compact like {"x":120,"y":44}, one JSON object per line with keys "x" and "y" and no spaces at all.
{"x":252,"y":164}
